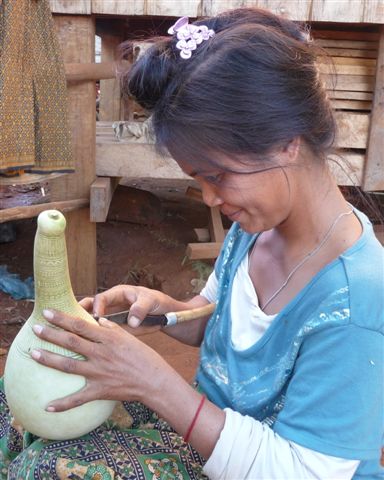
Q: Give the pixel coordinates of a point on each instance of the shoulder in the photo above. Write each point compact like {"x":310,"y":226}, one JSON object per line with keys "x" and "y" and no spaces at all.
{"x":363,"y":265}
{"x":349,"y":290}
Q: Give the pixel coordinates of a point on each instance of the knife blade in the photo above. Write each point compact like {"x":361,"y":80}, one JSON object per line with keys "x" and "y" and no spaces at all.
{"x":165,"y":320}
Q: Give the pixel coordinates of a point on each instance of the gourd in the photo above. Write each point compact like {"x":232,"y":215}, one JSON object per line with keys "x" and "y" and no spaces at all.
{"x":30,"y":386}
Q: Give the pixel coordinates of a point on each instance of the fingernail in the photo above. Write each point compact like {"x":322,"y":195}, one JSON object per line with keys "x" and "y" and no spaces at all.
{"x":48,"y":314}
{"x":37,"y":329}
{"x":134,"y":322}
{"x":105,"y":322}
{"x":50,"y":409}
{"x":35,"y":354}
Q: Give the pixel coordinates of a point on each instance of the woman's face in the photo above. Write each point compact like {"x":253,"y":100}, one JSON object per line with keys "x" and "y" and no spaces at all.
{"x":258,"y":197}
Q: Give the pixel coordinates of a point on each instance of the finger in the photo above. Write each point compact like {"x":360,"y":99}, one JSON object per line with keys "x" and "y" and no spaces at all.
{"x":79,"y":326}
{"x":104,"y":322}
{"x":62,"y":338}
{"x":144,"y":305}
{"x":71,"y":401}
{"x":62,"y":363}
{"x":113,"y":300}
{"x":87,"y":303}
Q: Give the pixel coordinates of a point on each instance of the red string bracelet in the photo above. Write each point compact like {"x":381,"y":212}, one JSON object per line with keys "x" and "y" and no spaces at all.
{"x":191,"y":426}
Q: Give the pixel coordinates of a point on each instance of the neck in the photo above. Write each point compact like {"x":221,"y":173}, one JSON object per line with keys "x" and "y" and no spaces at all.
{"x":311,"y":216}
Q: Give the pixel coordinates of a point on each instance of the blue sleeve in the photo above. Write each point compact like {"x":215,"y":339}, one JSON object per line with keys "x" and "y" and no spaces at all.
{"x":334,"y":402}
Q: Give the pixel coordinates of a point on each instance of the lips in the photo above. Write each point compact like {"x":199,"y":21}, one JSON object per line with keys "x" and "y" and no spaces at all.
{"x":232,"y":215}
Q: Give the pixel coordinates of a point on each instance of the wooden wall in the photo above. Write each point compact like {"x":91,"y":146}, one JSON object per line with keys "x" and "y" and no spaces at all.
{"x":346,"y":11}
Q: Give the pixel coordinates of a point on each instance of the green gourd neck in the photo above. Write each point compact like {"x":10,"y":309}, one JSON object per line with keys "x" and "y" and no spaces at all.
{"x":53,"y":288}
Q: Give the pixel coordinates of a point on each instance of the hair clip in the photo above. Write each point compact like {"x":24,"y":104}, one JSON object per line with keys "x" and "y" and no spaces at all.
{"x":189,"y":36}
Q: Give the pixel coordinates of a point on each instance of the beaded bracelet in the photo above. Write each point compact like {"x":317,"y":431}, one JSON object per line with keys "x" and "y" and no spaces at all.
{"x":191,"y":426}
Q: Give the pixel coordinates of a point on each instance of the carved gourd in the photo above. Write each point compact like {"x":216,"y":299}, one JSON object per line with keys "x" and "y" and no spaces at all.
{"x":30,"y":386}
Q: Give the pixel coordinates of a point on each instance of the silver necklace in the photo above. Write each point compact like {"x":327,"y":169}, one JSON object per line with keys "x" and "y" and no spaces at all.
{"x":307,"y":257}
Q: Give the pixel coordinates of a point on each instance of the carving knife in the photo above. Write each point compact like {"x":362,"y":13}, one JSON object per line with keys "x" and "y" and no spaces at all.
{"x":165,"y":320}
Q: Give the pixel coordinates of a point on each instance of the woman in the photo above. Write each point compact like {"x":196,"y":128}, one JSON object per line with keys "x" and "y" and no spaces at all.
{"x":289,"y":379}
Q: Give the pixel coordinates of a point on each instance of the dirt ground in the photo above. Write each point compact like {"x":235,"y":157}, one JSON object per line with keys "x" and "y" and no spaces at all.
{"x":150,"y":254}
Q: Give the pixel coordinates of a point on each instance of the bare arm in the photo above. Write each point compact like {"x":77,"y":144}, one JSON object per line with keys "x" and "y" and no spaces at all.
{"x":120,"y":367}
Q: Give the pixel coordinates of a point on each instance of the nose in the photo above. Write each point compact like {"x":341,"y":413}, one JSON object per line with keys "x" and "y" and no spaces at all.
{"x":210,"y":193}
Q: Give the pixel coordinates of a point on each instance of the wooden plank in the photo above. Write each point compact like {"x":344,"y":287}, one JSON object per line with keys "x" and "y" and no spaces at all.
{"x":110,"y":95}
{"x":28,"y":178}
{"x":367,"y":11}
{"x":348,"y":95}
{"x":135,"y":160}
{"x":368,"y":62}
{"x":374,"y":11}
{"x":352,"y":130}
{"x":30,"y":211}
{"x":347,"y":39}
{"x":346,"y":11}
{"x":80,"y":72}
{"x":357,"y":83}
{"x":354,"y":105}
{"x":191,"y":8}
{"x":100,"y":198}
{"x":293,"y":9}
{"x":363,"y":45}
{"x":345,"y":68}
{"x":194,"y":193}
{"x":351,"y":52}
{"x":79,"y":7}
{"x":215,"y":225}
{"x":77,"y":39}
{"x":208,"y":250}
{"x":202,"y":234}
{"x":374,"y":167}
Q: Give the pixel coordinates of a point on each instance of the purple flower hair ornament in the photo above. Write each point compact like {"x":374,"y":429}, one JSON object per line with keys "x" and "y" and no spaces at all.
{"x":189,"y":36}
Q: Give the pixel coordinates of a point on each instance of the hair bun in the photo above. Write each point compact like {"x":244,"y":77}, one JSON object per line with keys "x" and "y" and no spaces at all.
{"x":149,"y":76}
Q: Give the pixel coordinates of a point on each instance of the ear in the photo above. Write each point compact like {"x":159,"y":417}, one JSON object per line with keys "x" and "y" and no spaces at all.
{"x":292,"y":149}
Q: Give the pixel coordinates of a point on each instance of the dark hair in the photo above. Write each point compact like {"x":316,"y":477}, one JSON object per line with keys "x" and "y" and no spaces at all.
{"x":251,"y":88}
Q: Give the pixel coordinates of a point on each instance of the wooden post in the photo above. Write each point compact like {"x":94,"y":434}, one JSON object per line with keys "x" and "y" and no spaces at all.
{"x":77,"y":38}
{"x":374,"y":165}
{"x":110,"y":102}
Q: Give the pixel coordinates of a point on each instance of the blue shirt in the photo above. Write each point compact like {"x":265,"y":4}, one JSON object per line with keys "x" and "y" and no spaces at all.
{"x":316,"y":376}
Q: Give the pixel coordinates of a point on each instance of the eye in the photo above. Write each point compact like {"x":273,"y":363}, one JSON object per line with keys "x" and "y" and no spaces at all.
{"x":214,"y":179}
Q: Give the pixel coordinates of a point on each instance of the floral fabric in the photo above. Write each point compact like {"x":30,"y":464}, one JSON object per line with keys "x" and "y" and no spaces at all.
{"x":134,"y":444}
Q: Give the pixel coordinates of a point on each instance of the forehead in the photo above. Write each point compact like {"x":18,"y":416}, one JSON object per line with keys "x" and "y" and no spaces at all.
{"x":220,"y":162}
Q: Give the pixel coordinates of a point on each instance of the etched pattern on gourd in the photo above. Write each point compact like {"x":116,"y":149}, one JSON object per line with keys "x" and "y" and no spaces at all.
{"x":30,"y":386}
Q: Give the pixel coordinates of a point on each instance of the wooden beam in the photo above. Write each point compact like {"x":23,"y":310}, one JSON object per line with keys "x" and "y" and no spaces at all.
{"x":28,"y":178}
{"x":101,"y":195}
{"x":202,"y":234}
{"x":197,"y":251}
{"x":356,"y":83}
{"x":110,"y":91}
{"x":215,"y":225}
{"x":134,"y":160}
{"x":194,"y":193}
{"x":82,"y":72}
{"x":79,"y":7}
{"x":30,"y":211}
{"x":374,"y":165}
{"x":365,"y":45}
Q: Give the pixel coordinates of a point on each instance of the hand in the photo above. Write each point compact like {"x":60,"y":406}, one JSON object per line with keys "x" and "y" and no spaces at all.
{"x":142,"y":301}
{"x":118,"y":366}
